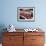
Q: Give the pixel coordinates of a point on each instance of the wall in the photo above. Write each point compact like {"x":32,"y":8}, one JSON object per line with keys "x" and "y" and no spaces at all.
{"x":8,"y":13}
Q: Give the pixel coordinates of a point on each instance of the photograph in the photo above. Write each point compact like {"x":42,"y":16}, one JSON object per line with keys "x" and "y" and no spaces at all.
{"x":25,"y":14}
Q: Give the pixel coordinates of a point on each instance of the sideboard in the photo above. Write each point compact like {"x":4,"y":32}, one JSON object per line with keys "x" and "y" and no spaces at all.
{"x":23,"y":39}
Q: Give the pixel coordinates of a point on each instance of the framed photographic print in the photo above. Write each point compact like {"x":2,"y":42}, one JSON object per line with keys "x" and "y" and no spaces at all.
{"x":26,"y":14}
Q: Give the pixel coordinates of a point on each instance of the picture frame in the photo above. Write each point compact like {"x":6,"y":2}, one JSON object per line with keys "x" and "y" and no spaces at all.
{"x":26,"y":14}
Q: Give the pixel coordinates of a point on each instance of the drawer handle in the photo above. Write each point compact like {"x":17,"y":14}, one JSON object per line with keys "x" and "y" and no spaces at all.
{"x":11,"y":38}
{"x":33,"y":39}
